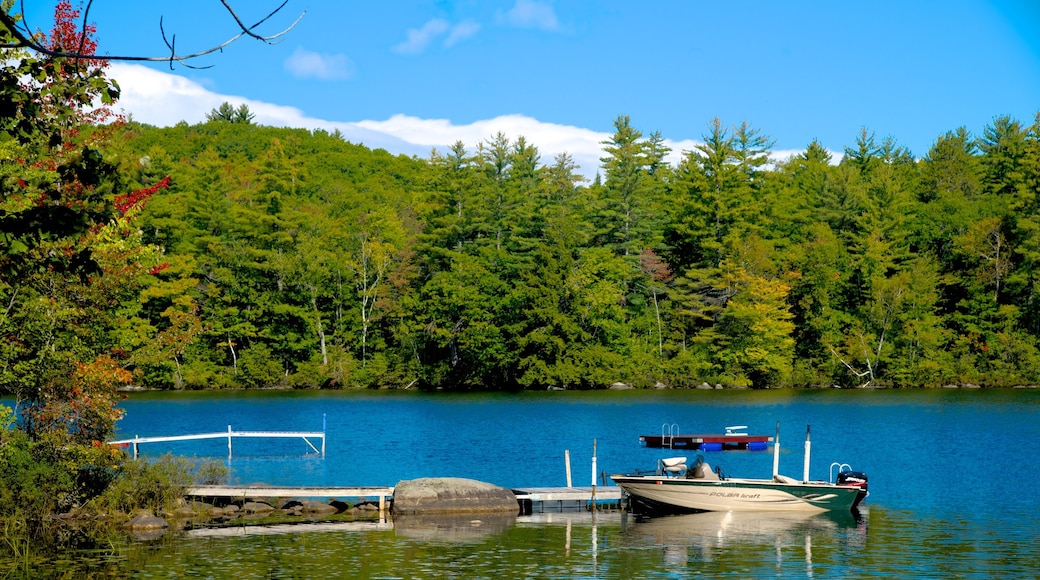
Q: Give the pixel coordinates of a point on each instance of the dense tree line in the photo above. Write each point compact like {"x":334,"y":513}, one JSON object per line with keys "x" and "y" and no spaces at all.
{"x":227,"y":254}
{"x":296,"y":258}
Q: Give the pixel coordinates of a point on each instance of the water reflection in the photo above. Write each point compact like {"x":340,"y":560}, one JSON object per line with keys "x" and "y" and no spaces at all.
{"x":698,"y":540}
{"x":287,"y":528}
{"x":454,"y":529}
{"x":901,"y":544}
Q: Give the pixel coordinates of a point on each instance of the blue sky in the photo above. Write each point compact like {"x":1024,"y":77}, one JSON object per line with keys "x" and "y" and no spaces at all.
{"x":412,"y":75}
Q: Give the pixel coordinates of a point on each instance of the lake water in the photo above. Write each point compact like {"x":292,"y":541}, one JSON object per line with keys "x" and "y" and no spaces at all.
{"x":953,"y":483}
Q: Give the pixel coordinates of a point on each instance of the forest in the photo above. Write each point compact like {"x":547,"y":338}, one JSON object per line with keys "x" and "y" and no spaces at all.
{"x":230,"y":255}
{"x":295,"y":259}
{"x":227,"y":254}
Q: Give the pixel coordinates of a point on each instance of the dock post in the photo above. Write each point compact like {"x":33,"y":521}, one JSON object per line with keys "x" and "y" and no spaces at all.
{"x":136,"y":437}
{"x":808,"y":446}
{"x":567,"y":461}
{"x":593,"y":475}
{"x":229,"y":441}
{"x":776,"y":451}
{"x":323,"y":423}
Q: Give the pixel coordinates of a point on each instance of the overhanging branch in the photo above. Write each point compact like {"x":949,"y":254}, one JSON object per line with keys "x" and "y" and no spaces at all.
{"x":22,"y":37}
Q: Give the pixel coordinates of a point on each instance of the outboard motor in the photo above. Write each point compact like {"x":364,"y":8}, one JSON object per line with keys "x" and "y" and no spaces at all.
{"x":854,"y":479}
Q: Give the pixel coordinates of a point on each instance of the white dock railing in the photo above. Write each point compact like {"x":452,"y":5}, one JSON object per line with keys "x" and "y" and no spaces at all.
{"x":229,"y":435}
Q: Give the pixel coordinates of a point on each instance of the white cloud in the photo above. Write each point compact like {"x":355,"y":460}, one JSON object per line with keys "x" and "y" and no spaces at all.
{"x":461,"y":31}
{"x":585,"y":146}
{"x":159,"y":98}
{"x":550,"y":138}
{"x":532,"y":14}
{"x":419,"y":38}
{"x":163,"y":99}
{"x":303,"y":63}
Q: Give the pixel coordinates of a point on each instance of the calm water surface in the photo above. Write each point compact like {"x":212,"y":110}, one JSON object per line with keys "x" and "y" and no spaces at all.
{"x":953,"y":480}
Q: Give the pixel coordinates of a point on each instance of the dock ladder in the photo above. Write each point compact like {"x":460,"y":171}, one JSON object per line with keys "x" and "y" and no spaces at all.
{"x":668,"y":433}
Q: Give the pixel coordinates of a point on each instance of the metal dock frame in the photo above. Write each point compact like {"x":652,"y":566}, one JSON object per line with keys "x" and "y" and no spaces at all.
{"x":565,"y":497}
{"x":229,"y":435}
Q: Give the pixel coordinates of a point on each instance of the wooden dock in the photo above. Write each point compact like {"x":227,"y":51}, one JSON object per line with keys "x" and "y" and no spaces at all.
{"x":561,"y":498}
{"x":529,"y":499}
{"x":258,"y":491}
{"x":566,"y":498}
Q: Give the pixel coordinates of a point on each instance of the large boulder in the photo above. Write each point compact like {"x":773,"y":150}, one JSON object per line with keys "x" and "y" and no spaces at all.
{"x":146,"y":527}
{"x":143,"y":520}
{"x":452,"y":495}
{"x":257,"y":507}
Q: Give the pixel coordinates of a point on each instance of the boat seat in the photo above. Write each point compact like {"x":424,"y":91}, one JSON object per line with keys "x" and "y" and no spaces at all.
{"x":674,"y":465}
{"x":703,"y":471}
{"x":784,"y":479}
{"x":678,"y":469}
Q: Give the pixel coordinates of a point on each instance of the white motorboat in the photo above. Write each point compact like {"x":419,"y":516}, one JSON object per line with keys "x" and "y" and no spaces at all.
{"x":677,"y":489}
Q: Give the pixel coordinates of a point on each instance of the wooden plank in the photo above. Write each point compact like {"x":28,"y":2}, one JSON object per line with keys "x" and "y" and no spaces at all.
{"x":382,"y":493}
{"x":535,"y":495}
{"x":606,"y":493}
{"x":286,"y":491}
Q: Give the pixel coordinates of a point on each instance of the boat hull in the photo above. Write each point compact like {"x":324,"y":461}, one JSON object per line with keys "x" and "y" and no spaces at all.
{"x":657,"y":494}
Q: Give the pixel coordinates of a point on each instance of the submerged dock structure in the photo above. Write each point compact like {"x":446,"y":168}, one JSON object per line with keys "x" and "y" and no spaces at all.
{"x":230,"y":435}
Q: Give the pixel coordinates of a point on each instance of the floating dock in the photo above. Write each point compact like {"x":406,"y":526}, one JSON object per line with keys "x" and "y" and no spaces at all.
{"x":670,"y":438}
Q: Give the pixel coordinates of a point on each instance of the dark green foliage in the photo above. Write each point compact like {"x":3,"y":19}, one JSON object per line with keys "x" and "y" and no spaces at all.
{"x":227,"y":113}
{"x":312,"y":262}
{"x":296,"y":259}
{"x":156,"y":484}
{"x":45,"y":476}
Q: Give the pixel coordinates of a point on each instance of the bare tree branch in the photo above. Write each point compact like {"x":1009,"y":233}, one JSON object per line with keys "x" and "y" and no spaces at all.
{"x":249,"y":30}
{"x":21,"y":36}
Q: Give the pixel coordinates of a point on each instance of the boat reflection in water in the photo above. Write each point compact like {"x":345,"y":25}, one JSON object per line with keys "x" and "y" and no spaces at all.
{"x":727,"y":538}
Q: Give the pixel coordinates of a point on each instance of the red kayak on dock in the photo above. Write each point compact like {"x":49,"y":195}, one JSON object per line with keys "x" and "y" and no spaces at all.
{"x":735,"y":437}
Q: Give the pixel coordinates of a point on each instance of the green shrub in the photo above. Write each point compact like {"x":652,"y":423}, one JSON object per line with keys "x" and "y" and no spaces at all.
{"x":156,"y":484}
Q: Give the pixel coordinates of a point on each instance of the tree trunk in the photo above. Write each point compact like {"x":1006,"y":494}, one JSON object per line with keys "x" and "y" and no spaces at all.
{"x":234,"y":356}
{"x":660,"y":331}
{"x":321,"y":331}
